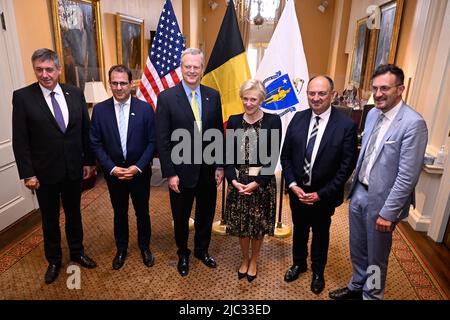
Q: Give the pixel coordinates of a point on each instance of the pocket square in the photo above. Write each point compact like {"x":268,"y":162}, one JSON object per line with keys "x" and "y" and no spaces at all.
{"x":390,"y":142}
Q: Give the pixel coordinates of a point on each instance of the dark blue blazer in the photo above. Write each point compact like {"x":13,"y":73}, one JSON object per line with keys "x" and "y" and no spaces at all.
{"x":335,"y":160}
{"x":105,"y":138}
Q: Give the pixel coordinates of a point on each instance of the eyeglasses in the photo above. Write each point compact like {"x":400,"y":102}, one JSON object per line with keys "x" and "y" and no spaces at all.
{"x":321,"y":94}
{"x":384,"y":89}
{"x":116,"y":84}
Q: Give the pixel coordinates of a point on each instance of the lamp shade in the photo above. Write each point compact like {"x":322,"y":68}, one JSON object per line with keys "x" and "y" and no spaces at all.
{"x":371,"y":101}
{"x":95,"y":92}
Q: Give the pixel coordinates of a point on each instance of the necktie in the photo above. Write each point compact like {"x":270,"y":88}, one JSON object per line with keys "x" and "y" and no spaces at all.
{"x":123,"y":130}
{"x":309,"y":151}
{"x":196,"y":112}
{"x":370,"y":147}
{"x":58,"y":113}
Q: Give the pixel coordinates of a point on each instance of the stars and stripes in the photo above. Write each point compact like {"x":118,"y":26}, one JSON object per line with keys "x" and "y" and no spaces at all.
{"x":162,"y":69}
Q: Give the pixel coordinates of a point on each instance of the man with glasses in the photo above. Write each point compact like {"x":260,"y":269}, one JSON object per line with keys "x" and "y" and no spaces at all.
{"x":123,"y":138}
{"x":51,"y":147}
{"x":318,"y":157}
{"x":388,"y":168}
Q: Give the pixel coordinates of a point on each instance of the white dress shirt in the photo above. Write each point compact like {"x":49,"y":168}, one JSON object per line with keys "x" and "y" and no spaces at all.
{"x":59,"y":96}
{"x":387,"y":120}
{"x":324,"y":117}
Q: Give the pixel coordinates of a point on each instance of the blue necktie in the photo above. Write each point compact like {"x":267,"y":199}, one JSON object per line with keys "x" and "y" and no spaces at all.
{"x":308,"y":154}
{"x":58,"y":113}
{"x":123,"y":130}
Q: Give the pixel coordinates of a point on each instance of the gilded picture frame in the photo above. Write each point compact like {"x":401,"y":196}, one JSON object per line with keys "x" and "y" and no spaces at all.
{"x":383,"y":41}
{"x":359,"y":54}
{"x":78,"y":40}
{"x":130,"y":43}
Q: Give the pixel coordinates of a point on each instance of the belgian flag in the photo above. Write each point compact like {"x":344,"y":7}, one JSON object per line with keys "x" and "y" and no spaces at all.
{"x":228,"y":67}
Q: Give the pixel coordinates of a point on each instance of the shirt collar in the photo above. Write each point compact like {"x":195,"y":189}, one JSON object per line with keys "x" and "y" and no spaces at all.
{"x":323,"y":115}
{"x":117,"y":103}
{"x":46,"y":92}
{"x":390,"y":115}
{"x":188,"y":90}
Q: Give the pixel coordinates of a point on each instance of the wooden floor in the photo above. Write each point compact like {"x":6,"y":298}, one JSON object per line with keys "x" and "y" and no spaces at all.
{"x":435,"y":255}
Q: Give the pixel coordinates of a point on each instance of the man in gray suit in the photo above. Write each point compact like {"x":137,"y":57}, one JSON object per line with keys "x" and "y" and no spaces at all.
{"x":387,"y":171}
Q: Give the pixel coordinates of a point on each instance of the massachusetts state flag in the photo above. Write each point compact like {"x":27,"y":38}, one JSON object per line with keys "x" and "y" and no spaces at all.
{"x":162,"y":69}
{"x":283,"y":69}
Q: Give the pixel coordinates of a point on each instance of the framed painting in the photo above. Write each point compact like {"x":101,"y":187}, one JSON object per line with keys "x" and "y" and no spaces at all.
{"x":359,"y":55}
{"x":130,"y":43}
{"x":383,"y":41}
{"x":78,"y":40}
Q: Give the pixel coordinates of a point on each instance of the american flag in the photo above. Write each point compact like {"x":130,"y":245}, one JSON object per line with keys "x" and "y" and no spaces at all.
{"x":162,"y":69}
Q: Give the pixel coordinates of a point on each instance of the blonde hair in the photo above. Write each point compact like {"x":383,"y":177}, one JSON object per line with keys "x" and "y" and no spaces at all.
{"x":253,"y":84}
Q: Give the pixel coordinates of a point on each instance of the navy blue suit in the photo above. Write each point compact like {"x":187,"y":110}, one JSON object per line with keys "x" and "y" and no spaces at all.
{"x":333,"y":165}
{"x":105,"y":141}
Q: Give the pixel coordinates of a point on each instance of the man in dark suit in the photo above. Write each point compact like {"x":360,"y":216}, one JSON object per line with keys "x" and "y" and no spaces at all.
{"x":123,"y":138}
{"x":318,"y":157}
{"x":51,"y":147}
{"x":190,"y":107}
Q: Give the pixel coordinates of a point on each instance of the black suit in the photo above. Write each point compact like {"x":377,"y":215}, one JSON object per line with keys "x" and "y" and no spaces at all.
{"x":197,"y":180}
{"x":333,"y":165}
{"x":41,"y":149}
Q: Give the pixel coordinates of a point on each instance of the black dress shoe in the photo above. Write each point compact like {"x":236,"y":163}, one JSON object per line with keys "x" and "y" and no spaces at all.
{"x":147,"y":258}
{"x":207,"y":260}
{"x":241,"y":275}
{"x":52,"y":273}
{"x":119,"y":260}
{"x":183,"y":266}
{"x":84,"y":261}
{"x":251,"y":278}
{"x":293,"y":273}
{"x":317,"y":283}
{"x":345,"y":294}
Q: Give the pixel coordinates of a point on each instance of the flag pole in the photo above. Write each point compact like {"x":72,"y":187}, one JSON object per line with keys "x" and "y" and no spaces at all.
{"x":281,"y":230}
{"x":219,"y":227}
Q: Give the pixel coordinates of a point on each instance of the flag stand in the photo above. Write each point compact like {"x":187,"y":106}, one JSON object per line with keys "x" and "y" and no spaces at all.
{"x":219,"y":227}
{"x":281,"y":230}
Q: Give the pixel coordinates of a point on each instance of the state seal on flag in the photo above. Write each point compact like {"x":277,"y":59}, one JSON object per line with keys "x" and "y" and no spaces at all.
{"x":282,"y":93}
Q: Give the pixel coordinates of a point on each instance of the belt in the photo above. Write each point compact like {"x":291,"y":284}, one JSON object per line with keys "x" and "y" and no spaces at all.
{"x":365,"y":186}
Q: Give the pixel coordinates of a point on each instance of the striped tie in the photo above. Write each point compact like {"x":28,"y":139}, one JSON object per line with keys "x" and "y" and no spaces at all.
{"x":196,"y":111}
{"x":370,"y":147}
{"x":123,"y":129}
{"x":309,"y":150}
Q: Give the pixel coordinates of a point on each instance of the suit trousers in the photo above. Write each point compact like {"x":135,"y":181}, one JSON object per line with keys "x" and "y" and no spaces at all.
{"x":204,"y":193}
{"x":318,"y":218}
{"x":50,"y":197}
{"x":120,"y":191}
{"x":369,"y":248}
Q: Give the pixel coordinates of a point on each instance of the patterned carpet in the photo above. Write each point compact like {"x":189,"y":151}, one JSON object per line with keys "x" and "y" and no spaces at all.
{"x":22,"y":264}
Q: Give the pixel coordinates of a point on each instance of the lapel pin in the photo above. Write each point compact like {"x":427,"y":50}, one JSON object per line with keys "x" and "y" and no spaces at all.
{"x":67,"y":93}
{"x":132,"y":114}
{"x":207,"y":99}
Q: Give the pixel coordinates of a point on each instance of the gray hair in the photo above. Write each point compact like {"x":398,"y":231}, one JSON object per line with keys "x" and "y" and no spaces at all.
{"x":253,"y":84}
{"x":194,"y":52}
{"x":45,"y":54}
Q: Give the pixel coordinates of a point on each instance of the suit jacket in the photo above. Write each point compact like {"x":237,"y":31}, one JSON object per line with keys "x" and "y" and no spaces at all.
{"x":105,"y":137}
{"x":397,"y":165}
{"x":174,"y":112}
{"x":335,"y":159}
{"x":269,"y":122}
{"x":40,"y":147}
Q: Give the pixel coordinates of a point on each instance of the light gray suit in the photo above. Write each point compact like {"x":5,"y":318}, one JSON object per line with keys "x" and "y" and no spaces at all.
{"x":394,"y":174}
